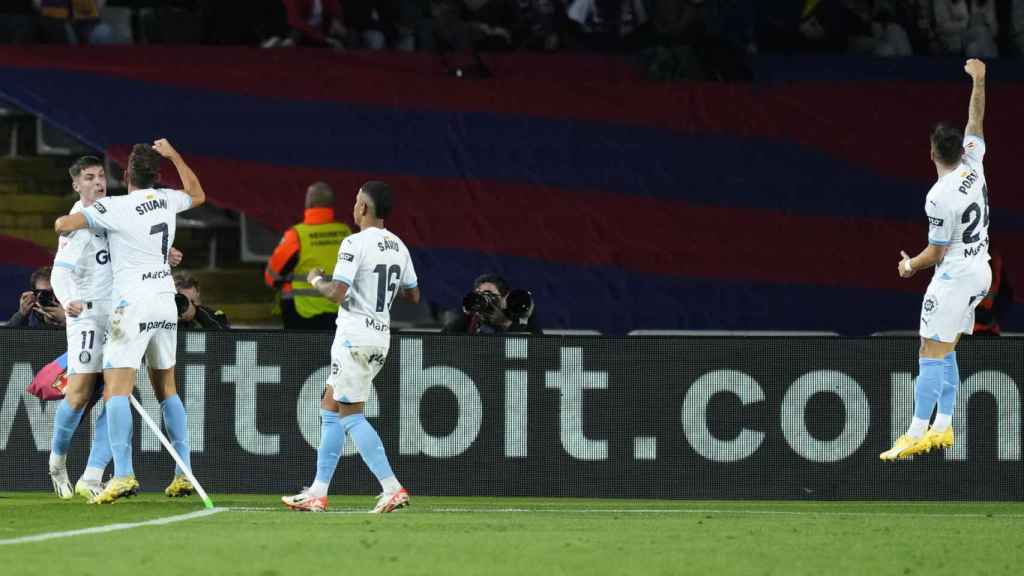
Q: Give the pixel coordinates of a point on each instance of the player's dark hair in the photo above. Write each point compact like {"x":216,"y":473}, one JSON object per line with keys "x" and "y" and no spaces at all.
{"x":82,"y":163}
{"x":380,"y":194}
{"x":947,"y":142}
{"x":40,"y":274}
{"x":491,"y":278}
{"x":143,"y":166}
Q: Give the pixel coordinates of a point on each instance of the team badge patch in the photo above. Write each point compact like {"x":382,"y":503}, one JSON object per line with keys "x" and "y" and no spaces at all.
{"x":930,"y":304}
{"x":84,"y":357}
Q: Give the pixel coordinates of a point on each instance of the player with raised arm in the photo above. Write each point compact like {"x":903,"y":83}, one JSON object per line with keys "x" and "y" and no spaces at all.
{"x":958,"y":217}
{"x":373,"y":267}
{"x":143,"y":323}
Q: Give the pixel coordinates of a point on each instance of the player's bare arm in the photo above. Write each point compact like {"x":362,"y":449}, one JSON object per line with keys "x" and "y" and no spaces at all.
{"x":335,"y":291}
{"x":70,"y":223}
{"x":410,"y":294}
{"x":928,"y":257}
{"x":189,"y":181}
{"x":976,"y":111}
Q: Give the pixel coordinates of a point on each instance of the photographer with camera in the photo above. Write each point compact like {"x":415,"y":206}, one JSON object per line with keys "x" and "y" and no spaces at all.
{"x":38,"y":307}
{"x":192,"y":315}
{"x":492,"y":308}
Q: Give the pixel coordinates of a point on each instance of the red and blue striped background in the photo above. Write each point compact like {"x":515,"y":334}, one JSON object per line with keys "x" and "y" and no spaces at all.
{"x":621,"y":203}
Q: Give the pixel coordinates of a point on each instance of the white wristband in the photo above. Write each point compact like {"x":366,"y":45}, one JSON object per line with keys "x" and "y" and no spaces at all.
{"x":317,"y":281}
{"x":906,"y":265}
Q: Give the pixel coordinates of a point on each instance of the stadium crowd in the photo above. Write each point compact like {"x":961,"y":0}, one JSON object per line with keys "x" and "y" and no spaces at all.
{"x":885,"y":28}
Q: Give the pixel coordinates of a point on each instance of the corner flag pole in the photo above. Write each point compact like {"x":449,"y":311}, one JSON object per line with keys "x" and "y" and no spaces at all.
{"x":163,"y":440}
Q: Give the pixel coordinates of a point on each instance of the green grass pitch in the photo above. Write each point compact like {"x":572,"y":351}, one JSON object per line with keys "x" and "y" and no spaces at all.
{"x":255,"y":536}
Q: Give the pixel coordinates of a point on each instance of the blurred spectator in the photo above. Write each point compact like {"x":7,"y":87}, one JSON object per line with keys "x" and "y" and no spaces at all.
{"x":315,"y":23}
{"x":1017,"y":26}
{"x":982,"y":30}
{"x":73,"y":22}
{"x":466,"y":26}
{"x":415,"y":28}
{"x":192,"y":315}
{"x":541,"y":24}
{"x":610,"y":24}
{"x":17,"y":22}
{"x":456,"y":40}
{"x":38,"y":307}
{"x":889,"y":36}
{"x":951,"y":18}
{"x":731,"y":21}
{"x":374,"y":23}
{"x":836,"y":25}
{"x":967,"y":27}
{"x":311,"y":244}
{"x":492,"y":22}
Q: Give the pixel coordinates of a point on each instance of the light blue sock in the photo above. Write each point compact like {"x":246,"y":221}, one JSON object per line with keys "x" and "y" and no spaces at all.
{"x":369,"y":445}
{"x":99,"y":454}
{"x":332,"y":438}
{"x":65,"y":422}
{"x":928,"y":387}
{"x":176,"y":424}
{"x":120,"y":424}
{"x":950,"y":384}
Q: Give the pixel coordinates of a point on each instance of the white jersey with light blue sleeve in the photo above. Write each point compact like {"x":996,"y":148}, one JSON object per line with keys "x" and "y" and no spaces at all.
{"x":141,"y":227}
{"x":958,"y":213}
{"x":375,"y":264}
{"x":86,"y":254}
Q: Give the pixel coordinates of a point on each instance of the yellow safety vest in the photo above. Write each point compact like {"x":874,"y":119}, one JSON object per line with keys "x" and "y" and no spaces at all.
{"x":318,"y":248}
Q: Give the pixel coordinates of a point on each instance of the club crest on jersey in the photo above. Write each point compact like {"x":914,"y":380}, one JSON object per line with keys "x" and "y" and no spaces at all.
{"x":84,"y":357}
{"x":930,"y":304}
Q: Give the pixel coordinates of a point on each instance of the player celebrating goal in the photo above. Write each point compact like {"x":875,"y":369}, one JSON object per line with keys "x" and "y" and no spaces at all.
{"x":958,"y":216}
{"x":140,"y":228}
{"x":373,"y":267}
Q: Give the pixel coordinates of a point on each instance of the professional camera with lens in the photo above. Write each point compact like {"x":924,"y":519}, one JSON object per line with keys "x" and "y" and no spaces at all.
{"x":519,"y":305}
{"x":46,"y":298}
{"x":481,"y":302}
{"x":492,"y":308}
{"x":182,"y":302}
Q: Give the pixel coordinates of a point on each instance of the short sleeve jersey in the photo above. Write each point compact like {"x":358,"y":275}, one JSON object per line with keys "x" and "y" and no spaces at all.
{"x":86,"y":254}
{"x":958,"y":212}
{"x":140,"y":227}
{"x":375,"y":264}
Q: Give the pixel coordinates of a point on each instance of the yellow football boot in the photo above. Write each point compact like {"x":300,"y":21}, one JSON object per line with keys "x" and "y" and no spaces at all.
{"x":180,"y":486}
{"x":116,"y":489}
{"x":906,"y":447}
{"x":940,"y":440}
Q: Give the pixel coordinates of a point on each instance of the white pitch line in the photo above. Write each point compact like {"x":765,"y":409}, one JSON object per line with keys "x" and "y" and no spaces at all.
{"x":653,"y":511}
{"x":112,"y":527}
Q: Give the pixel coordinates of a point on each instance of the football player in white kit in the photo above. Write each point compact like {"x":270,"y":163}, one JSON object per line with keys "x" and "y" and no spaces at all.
{"x":143,"y":322}
{"x":82,"y":280}
{"x":373,"y":268}
{"x":958,"y":217}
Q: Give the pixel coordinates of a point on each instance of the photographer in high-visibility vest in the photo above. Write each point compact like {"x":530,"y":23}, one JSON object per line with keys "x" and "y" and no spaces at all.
{"x":312,"y":244}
